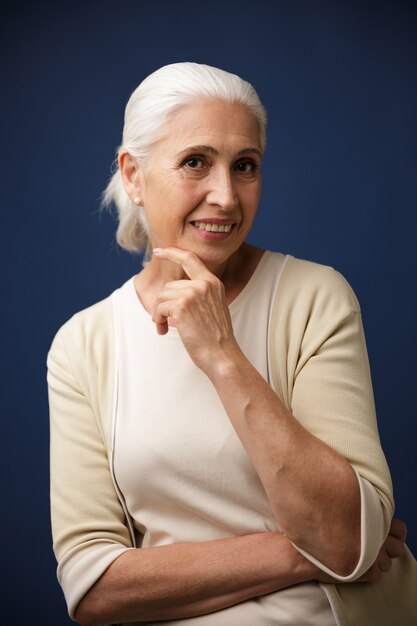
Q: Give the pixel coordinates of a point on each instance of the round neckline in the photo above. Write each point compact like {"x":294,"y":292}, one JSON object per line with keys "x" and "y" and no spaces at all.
{"x":242,"y":295}
{"x":236,"y":302}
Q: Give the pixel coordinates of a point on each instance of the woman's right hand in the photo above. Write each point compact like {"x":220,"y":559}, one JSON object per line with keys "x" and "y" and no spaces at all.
{"x":392,"y":548}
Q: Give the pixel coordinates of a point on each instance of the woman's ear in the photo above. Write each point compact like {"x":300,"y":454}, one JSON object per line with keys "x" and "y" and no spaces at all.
{"x":131,"y":173}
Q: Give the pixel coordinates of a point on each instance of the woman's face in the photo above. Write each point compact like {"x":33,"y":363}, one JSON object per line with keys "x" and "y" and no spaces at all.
{"x":202,"y":183}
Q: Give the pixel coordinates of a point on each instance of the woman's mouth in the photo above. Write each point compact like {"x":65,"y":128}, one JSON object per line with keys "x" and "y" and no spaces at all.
{"x":212,"y":231}
{"x":211,"y":227}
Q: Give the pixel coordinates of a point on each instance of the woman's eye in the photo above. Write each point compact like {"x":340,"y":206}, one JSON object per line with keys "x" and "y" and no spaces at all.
{"x":246,"y":167}
{"x":194,"y":163}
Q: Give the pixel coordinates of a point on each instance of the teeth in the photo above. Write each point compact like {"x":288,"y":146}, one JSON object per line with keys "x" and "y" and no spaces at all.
{"x":214,"y":228}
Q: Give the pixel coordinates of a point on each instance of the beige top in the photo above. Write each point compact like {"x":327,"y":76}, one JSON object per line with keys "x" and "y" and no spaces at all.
{"x":319,"y":367}
{"x":184,"y":474}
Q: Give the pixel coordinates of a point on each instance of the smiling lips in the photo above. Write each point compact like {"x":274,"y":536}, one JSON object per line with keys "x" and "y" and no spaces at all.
{"x":212,"y":227}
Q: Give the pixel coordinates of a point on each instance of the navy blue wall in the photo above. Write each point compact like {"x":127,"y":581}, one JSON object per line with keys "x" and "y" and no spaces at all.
{"x":338,"y":81}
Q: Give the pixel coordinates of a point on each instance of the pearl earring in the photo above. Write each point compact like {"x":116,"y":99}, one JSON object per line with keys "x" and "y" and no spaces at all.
{"x":136,"y":200}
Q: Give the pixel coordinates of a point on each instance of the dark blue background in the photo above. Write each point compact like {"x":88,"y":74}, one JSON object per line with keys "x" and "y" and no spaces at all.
{"x":338,"y":81}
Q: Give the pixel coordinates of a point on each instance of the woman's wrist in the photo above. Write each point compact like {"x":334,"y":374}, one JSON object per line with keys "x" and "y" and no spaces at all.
{"x":228,"y":363}
{"x":287,"y":566}
{"x":303,"y":570}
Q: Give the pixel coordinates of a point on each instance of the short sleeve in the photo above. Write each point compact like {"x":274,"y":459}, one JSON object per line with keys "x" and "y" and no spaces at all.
{"x":322,"y":373}
{"x":332,"y":396}
{"x":88,"y":523}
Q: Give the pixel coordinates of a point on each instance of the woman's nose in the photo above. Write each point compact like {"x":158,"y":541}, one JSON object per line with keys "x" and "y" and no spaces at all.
{"x":222,"y":191}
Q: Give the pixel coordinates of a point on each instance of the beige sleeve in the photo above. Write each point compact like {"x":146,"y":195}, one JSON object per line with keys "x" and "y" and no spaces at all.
{"x":325,"y":380}
{"x":333,"y":397}
{"x":88,"y":523}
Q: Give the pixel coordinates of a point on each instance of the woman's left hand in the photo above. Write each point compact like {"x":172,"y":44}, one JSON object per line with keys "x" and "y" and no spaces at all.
{"x":198,"y":309}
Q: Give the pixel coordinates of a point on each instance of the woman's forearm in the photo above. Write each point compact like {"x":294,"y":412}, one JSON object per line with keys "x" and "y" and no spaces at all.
{"x":188,"y":579}
{"x":313,"y":491}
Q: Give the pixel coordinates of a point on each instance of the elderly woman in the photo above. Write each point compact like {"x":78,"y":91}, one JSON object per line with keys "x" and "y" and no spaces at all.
{"x":215,"y":458}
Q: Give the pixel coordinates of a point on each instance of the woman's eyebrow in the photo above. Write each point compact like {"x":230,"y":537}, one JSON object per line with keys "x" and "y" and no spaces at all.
{"x":210,"y":150}
{"x":199,"y":148}
{"x":249,"y":150}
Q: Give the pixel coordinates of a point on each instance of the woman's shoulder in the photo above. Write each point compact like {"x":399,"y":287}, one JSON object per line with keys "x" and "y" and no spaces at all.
{"x":92,"y":319}
{"x":86,"y":335}
{"x":308,"y":290}
{"x":311,"y":284}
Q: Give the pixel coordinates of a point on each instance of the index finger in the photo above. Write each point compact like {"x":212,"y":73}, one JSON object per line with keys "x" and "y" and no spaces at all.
{"x":192,"y":265}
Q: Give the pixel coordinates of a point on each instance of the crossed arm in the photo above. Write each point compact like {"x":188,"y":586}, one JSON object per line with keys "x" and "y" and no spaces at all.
{"x":190,"y":579}
{"x":182,"y":580}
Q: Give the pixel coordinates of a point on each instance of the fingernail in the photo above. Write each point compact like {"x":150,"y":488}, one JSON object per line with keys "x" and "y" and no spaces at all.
{"x":157,"y":250}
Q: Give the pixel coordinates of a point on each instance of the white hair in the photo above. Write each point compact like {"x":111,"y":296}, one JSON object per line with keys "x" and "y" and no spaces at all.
{"x":158,"y":95}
